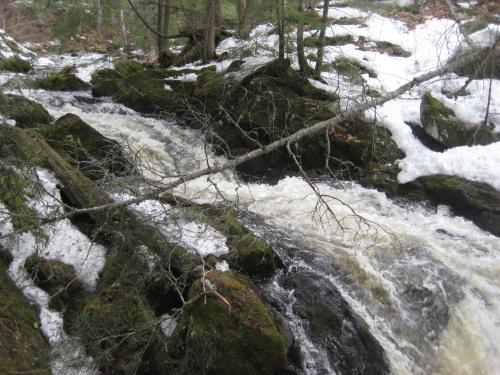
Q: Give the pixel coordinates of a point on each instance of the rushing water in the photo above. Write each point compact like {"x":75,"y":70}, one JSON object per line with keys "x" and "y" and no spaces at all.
{"x":426,"y":283}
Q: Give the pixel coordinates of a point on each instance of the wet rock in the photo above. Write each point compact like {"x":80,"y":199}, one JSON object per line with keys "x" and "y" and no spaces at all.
{"x":85,"y":148}
{"x":487,"y":64}
{"x":476,"y":201}
{"x":22,"y":346}
{"x":64,"y":80}
{"x":128,"y":67}
{"x":235,"y":66}
{"x":25,"y":112}
{"x":441,"y":123}
{"x":230,"y":333}
{"x":15,"y":65}
{"x":333,"y":326}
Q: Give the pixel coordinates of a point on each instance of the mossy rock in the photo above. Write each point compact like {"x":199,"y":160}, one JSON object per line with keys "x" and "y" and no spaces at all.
{"x":128,"y":67}
{"x":485,"y":66}
{"x":104,"y":74}
{"x":441,"y":123}
{"x":85,"y":148}
{"x":249,"y":253}
{"x":352,"y":69}
{"x":392,"y":49}
{"x":476,"y":201}
{"x":64,"y":80}
{"x":22,"y":346}
{"x":338,"y":40}
{"x":235,"y":66}
{"x":121,"y":333}
{"x":25,"y":112}
{"x":230,"y":332}
{"x":57,"y":279}
{"x":15,"y":65}
{"x":14,"y":194}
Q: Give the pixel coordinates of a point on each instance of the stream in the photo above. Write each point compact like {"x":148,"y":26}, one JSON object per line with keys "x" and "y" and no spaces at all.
{"x":424,"y":283}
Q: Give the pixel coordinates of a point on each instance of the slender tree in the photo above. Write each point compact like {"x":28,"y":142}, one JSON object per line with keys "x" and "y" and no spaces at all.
{"x":209,"y":45}
{"x":322,"y":34}
{"x":163,"y":26}
{"x":100,"y":15}
{"x":304,"y":67}
{"x":280,"y":21}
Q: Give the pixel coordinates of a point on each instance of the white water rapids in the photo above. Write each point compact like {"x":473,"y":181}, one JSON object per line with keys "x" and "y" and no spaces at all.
{"x":427,"y":283}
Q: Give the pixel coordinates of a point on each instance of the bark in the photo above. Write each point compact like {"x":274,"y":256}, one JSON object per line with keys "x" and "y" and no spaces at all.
{"x":241,"y":10}
{"x":209,"y":44}
{"x":123,"y":27}
{"x":163,"y":26}
{"x":322,"y":33}
{"x":300,"y":39}
{"x":280,"y":13}
{"x":100,"y":15}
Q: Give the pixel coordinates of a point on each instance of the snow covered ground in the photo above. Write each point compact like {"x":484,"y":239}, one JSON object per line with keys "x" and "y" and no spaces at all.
{"x":431,"y":44}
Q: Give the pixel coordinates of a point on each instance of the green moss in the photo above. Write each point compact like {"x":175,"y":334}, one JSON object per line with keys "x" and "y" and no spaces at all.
{"x":104,"y":74}
{"x":14,"y":191}
{"x":65,"y":80}
{"x":15,"y":64}
{"x":314,"y":42}
{"x":128,"y":67}
{"x":121,"y":333}
{"x":392,"y":49}
{"x":441,"y":123}
{"x":22,"y":347}
{"x":230,"y":333}
{"x":352,"y":69}
{"x":25,"y":112}
{"x":57,"y":279}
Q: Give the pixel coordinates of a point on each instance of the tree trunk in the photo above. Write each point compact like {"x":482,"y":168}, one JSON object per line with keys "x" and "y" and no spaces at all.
{"x":100,"y":15}
{"x":124,"y":29}
{"x":280,"y":12}
{"x":163,"y":26}
{"x":209,"y":45}
{"x":321,"y":48}
{"x":300,"y":39}
{"x":241,"y":10}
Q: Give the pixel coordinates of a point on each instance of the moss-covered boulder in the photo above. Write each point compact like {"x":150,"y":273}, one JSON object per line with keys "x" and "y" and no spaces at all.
{"x":476,"y":201}
{"x":228,"y":332}
{"x":15,"y":65}
{"x":57,"y":279}
{"x":64,"y":80}
{"x":128,"y":67}
{"x":85,"y":148}
{"x":352,"y":69}
{"x":22,"y":346}
{"x":337,"y":40}
{"x":485,"y":66}
{"x":441,"y":123}
{"x":25,"y":112}
{"x":249,"y":253}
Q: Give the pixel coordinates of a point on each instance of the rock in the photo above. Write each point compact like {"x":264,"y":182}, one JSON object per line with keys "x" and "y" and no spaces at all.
{"x":128,"y":67}
{"x":476,"y":201}
{"x":335,"y":327}
{"x":22,"y":346}
{"x":25,"y":112}
{"x":230,"y":333}
{"x":249,"y":253}
{"x":86,"y":148}
{"x":57,"y":279}
{"x":313,"y":41}
{"x":235,"y":66}
{"x":64,"y":80}
{"x":15,"y":65}
{"x":486,"y":66}
{"x":441,"y":123}
{"x":352,"y":69}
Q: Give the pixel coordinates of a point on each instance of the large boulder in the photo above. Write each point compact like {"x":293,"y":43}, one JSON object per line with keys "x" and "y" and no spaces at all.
{"x":22,"y":346}
{"x":228,"y":332}
{"x":476,"y":201}
{"x":441,"y":123}
{"x":486,"y":66}
{"x":335,"y":327}
{"x":25,"y":112}
{"x":85,"y":148}
{"x":64,"y":80}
